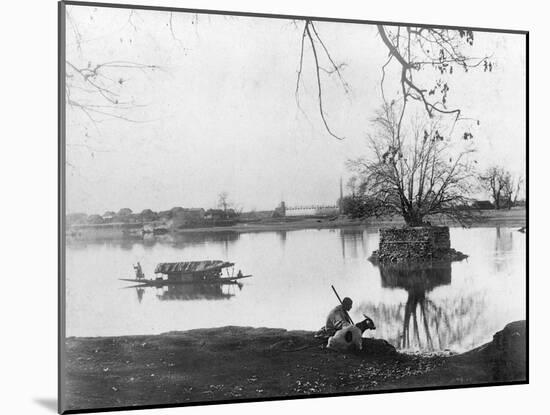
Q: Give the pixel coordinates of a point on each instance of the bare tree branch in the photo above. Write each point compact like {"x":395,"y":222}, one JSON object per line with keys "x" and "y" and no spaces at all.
{"x":413,"y":49}
{"x":443,"y":54}
{"x":335,"y":69}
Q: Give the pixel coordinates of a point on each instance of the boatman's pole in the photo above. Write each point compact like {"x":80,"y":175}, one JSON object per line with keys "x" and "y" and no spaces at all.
{"x":345,"y":311}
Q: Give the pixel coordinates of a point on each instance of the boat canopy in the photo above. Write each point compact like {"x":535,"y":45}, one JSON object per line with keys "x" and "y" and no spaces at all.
{"x":190,"y":267}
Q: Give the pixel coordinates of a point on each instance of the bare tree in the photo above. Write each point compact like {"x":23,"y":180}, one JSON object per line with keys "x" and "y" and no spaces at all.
{"x":502,"y":186}
{"x":352,"y":185}
{"x":493,"y":181}
{"x":512,"y":188}
{"x":417,"y":179}
{"x":223,"y":201}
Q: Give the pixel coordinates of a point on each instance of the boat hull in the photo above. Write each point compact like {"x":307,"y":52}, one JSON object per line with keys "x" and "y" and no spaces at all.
{"x":161,"y":282}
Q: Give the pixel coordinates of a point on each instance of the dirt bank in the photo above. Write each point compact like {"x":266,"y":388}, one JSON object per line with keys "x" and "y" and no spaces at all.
{"x":242,"y":363}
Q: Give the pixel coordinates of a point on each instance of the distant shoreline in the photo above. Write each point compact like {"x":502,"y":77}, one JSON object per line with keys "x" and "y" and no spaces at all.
{"x":492,"y":218}
{"x":511,"y":218}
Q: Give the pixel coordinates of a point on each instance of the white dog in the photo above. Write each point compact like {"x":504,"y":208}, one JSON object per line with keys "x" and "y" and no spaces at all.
{"x":350,"y":337}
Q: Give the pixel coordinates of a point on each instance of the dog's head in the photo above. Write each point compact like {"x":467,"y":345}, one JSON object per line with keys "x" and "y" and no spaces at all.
{"x":366,"y":324}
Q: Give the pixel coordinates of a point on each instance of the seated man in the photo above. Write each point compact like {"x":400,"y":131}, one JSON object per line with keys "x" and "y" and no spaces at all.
{"x":337,"y":319}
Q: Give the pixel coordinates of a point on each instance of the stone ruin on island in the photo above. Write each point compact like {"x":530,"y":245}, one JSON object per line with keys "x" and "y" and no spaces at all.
{"x":415,"y":244}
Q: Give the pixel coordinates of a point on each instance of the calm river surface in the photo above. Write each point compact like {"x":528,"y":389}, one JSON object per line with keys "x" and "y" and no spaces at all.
{"x":456,"y":306}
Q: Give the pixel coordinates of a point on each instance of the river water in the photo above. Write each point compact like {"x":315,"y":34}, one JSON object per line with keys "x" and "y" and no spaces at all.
{"x":454,"y":306}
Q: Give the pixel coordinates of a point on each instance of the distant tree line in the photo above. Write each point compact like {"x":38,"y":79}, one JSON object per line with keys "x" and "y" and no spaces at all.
{"x":183,"y":216}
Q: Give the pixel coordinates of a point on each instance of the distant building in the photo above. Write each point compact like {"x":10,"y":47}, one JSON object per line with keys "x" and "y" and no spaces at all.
{"x":483,"y":205}
{"x":165,"y":215}
{"x":181,"y":217}
{"x":147,"y":215}
{"x":280,"y":211}
{"x":108,"y":216}
{"x":329,"y":210}
{"x":195,"y":213}
{"x":255,"y":215}
{"x":76,"y":218}
{"x":124,"y":215}
{"x":176,"y":210}
{"x":133,"y":218}
{"x":95,"y":220}
{"x":220,"y":214}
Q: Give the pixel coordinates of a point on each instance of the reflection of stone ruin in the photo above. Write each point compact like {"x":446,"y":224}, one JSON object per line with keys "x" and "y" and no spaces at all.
{"x":415,"y":244}
{"x":420,"y":323}
{"x":353,"y":243}
{"x":418,"y":259}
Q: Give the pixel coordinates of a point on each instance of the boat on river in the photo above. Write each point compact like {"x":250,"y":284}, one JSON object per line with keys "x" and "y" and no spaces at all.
{"x":189,"y":272}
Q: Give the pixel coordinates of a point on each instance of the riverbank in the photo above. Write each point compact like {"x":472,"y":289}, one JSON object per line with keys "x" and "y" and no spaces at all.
{"x":240,"y":363}
{"x":490,"y":218}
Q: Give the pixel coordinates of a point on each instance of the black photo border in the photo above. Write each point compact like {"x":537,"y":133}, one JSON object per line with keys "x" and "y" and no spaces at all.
{"x":62,"y":192}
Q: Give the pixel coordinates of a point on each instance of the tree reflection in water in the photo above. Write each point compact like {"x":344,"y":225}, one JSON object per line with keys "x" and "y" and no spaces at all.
{"x":421,"y":323}
{"x":148,"y":240}
{"x":351,"y":241}
{"x":504,"y":245}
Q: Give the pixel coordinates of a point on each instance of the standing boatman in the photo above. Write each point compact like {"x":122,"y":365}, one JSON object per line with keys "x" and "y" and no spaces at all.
{"x":139,"y":272}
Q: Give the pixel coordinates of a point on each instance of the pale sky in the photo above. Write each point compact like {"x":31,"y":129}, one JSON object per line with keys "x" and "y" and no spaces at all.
{"x":221,"y":114}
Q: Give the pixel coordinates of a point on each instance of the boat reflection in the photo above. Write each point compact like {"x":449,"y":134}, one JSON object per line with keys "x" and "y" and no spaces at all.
{"x":191,"y":292}
{"x":140,"y":291}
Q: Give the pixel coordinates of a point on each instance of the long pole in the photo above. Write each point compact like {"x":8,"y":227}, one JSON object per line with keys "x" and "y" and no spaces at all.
{"x":345,"y":311}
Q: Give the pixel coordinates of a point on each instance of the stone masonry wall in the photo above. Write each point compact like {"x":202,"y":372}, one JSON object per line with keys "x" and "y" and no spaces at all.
{"x":416,"y":244}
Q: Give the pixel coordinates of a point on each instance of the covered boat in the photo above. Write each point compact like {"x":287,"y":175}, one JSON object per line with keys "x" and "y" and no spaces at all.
{"x":209,"y":272}
{"x":192,"y":270}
